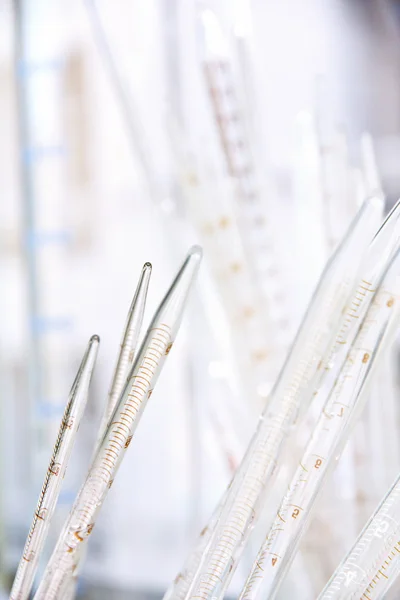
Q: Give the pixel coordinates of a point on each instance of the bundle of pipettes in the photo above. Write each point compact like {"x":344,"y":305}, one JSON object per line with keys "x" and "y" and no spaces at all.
{"x":322,"y":387}
{"x":135,"y":374}
{"x":229,"y":205}
{"x":233,"y":227}
{"x":310,"y":411}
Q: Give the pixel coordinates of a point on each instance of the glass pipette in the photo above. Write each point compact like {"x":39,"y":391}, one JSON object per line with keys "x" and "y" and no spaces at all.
{"x":55,"y":474}
{"x":372,"y":565}
{"x":239,"y":154}
{"x":180,"y":587}
{"x":128,"y":345}
{"x":328,"y":438}
{"x":244,"y":498}
{"x":377,"y":454}
{"x":138,"y":388}
{"x":126,"y":355}
{"x":209,"y":203}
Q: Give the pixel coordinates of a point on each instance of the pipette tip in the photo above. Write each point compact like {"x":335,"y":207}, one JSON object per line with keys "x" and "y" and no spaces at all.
{"x":175,"y":299}
{"x":376,"y":201}
{"x":94,"y":338}
{"x":391,"y":217}
{"x":196,"y":251}
{"x":139,"y":299}
{"x":190,"y":265}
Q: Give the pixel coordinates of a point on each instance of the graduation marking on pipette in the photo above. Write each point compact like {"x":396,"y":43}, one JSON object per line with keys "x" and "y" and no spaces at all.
{"x":384,"y":575}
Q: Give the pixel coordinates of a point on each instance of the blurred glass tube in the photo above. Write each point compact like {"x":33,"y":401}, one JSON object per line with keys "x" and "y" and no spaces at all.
{"x":250,"y":198}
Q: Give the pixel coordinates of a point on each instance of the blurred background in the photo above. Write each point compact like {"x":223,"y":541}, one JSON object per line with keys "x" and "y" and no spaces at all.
{"x":127,"y":129}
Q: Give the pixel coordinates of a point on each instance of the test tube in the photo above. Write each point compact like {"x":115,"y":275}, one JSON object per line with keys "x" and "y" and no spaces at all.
{"x":290,"y":395}
{"x":55,"y":474}
{"x":139,"y":387}
{"x":338,"y":415}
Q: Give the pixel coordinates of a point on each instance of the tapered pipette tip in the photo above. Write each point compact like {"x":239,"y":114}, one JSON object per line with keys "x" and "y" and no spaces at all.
{"x":395,"y":211}
{"x":376,"y":201}
{"x":89,"y":360}
{"x":137,"y":307}
{"x":214,"y":40}
{"x":139,"y":299}
{"x":87,"y":364}
{"x":196,"y":252}
{"x":391,"y":218}
{"x":171,"y":309}
{"x":144,"y":276}
{"x":371,"y":209}
{"x":129,"y":342}
{"x":188,"y":270}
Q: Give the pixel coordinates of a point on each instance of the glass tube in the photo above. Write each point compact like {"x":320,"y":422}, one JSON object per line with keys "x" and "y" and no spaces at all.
{"x":55,"y":474}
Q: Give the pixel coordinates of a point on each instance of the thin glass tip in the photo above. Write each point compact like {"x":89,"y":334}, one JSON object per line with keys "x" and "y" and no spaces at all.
{"x":140,"y":296}
{"x":171,"y":308}
{"x":196,"y":251}
{"x":129,"y":342}
{"x":377,"y":201}
{"x":391,"y":217}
